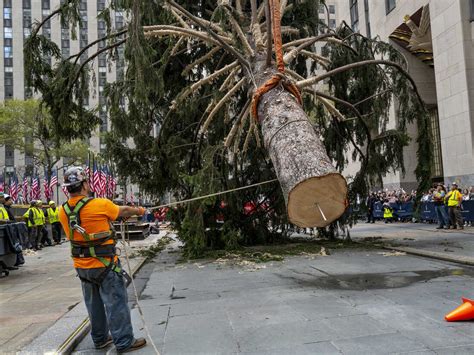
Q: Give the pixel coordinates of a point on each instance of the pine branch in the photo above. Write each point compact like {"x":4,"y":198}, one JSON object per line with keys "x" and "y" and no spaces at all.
{"x":230,"y":79}
{"x":92,"y":57}
{"x":176,"y":47}
{"x":83,"y":50}
{"x":163,"y":30}
{"x":201,"y":60}
{"x":219,"y":105}
{"x":323,"y":61}
{"x":208,"y":79}
{"x":49,"y":17}
{"x":269,"y":32}
{"x":245,"y":111}
{"x":316,"y":79}
{"x":240,"y":33}
{"x":215,"y":36}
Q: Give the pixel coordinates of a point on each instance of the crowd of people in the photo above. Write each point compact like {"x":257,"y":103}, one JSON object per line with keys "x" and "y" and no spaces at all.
{"x":447,"y":203}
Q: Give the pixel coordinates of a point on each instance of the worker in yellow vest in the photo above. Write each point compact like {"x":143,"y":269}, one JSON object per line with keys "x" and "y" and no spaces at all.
{"x":454,"y":200}
{"x":3,"y":211}
{"x":42,"y":231}
{"x":387,"y":212}
{"x":53,"y":218}
{"x":33,"y":218}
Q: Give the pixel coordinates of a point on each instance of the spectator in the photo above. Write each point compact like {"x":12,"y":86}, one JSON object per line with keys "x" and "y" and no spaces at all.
{"x":370,"y":208}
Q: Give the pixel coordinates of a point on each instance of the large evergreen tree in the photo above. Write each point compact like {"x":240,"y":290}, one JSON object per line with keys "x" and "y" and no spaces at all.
{"x":192,"y":69}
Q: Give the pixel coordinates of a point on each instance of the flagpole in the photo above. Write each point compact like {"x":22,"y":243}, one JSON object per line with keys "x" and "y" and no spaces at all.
{"x":57,"y":187}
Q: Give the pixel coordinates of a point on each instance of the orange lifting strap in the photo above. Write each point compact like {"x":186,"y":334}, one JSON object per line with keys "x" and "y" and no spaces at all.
{"x":275,"y":80}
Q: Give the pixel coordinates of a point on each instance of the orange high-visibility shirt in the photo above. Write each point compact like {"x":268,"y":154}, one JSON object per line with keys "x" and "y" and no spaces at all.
{"x":95,"y":217}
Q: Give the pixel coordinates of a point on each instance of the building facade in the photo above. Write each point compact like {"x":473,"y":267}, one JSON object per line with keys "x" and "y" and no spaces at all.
{"x":15,"y":27}
{"x":437,"y":39}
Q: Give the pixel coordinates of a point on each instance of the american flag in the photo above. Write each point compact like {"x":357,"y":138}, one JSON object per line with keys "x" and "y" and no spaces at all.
{"x":53,"y":182}
{"x":25,"y":188}
{"x":96,"y":179}
{"x":36,"y":188}
{"x":47,"y":192}
{"x":14,"y":187}
{"x":65,"y":191}
{"x":102,"y":182}
{"x":112,"y":186}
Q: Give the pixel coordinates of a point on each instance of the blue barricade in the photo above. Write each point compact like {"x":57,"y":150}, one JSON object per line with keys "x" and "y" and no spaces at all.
{"x":427,"y":210}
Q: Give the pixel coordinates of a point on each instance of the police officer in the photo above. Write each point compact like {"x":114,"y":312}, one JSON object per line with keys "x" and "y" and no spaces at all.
{"x":53,"y":218}
{"x":86,"y":222}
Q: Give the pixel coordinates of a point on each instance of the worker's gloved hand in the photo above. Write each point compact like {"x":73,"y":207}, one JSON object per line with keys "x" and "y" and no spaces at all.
{"x":141,"y":211}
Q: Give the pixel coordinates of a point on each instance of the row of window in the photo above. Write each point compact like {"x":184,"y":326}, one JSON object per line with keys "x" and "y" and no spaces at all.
{"x":8,"y":58}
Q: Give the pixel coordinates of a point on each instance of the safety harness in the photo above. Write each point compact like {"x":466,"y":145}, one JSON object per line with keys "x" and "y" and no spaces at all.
{"x":93,"y":246}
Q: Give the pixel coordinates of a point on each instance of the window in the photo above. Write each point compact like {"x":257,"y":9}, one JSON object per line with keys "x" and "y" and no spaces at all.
{"x":8,"y":62}
{"x":27,"y":4}
{"x":100,"y":5}
{"x":7,"y":23}
{"x":7,"y":32}
{"x":7,"y":13}
{"x":7,"y":3}
{"x":26,"y":18}
{"x":472,"y":10}
{"x":45,"y":4}
{"x":367,"y":18}
{"x":390,"y":5}
{"x":9,"y":155}
{"x":435,"y":135}
{"x":8,"y":52}
{"x":321,"y":9}
{"x":8,"y":42}
{"x":332,"y":9}
{"x":353,"y":5}
{"x":332,"y":23}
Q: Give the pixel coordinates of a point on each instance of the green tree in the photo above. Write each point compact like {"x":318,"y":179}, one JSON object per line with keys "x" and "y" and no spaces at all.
{"x":192,"y":69}
{"x":25,"y":125}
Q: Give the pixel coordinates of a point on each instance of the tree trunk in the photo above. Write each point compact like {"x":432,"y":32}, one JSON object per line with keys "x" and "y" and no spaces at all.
{"x":315,"y":193}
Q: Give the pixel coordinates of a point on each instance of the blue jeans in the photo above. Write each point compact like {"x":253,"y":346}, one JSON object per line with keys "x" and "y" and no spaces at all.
{"x":442,"y":215}
{"x":107,"y":305}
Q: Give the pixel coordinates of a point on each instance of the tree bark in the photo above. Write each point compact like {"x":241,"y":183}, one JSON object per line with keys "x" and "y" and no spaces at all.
{"x":315,"y":193}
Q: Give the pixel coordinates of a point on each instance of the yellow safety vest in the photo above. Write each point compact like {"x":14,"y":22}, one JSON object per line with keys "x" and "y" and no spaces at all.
{"x":453,"y":198}
{"x":35,"y":216}
{"x":3,"y":213}
{"x":53,"y":215}
{"x":387,"y":213}
{"x":41,"y":218}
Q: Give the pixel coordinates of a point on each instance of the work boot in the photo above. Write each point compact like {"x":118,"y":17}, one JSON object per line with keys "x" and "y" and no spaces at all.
{"x":105,"y":344}
{"x":137,"y":344}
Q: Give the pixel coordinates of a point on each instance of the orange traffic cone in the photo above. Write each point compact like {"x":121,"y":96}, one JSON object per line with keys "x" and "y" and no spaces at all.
{"x":463,"y":312}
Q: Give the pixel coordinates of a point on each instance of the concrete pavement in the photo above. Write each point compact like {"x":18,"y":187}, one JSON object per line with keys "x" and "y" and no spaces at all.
{"x":351,"y":302}
{"x":35,"y":298}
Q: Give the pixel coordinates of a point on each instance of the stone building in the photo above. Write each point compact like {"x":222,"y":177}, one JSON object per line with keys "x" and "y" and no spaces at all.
{"x":437,"y":39}
{"x":16,"y":24}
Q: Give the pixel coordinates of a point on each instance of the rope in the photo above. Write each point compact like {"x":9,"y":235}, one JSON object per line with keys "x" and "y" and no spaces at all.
{"x":280,"y":77}
{"x":212,"y":195}
{"x":122,"y":229}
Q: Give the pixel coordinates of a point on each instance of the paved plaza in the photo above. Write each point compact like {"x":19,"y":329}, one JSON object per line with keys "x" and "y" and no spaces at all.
{"x":353,"y":301}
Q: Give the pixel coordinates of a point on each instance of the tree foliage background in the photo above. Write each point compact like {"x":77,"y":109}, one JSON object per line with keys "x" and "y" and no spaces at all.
{"x":181,"y":79}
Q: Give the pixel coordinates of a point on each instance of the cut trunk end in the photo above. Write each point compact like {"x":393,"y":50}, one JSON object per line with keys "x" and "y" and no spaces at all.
{"x":317,"y":201}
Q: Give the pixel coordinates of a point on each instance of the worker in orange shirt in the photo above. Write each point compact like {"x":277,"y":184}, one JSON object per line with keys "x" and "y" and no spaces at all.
{"x":86,"y":223}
